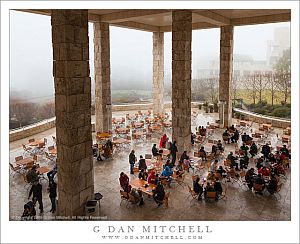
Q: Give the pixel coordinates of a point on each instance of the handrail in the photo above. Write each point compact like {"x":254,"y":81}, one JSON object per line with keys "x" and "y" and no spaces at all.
{"x":32,"y":125}
{"x":261,"y":115}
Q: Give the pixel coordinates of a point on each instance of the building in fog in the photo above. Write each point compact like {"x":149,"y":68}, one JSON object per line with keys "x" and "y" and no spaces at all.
{"x":280,"y":42}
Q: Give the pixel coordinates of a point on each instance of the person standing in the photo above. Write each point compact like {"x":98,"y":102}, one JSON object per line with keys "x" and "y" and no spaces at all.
{"x":132,"y":159}
{"x":52,"y":195}
{"x":37,"y":194}
{"x":173,"y":150}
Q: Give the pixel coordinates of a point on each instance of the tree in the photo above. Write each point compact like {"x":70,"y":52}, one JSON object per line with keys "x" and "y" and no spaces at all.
{"x":23,"y":112}
{"x":250,"y":85}
{"x":283,"y":73}
{"x":212,"y":88}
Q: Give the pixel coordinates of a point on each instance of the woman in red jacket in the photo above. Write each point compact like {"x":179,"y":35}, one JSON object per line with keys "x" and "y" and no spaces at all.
{"x":163,"y":141}
{"x":151,"y":177}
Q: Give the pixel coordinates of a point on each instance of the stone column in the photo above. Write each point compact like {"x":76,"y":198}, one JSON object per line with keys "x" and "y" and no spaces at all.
{"x":103,"y":109}
{"x":73,"y":110}
{"x":158,"y":72}
{"x":181,"y":78}
{"x":225,"y":80}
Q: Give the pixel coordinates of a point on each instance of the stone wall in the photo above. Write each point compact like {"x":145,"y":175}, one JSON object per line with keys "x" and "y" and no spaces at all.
{"x":225,"y":80}
{"x":261,"y":119}
{"x":102,"y":77}
{"x":181,"y":78}
{"x":31,"y":130}
{"x":72,"y":110}
{"x":158,"y":72}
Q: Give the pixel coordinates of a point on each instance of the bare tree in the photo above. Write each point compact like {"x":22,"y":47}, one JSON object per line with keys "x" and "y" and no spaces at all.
{"x":212,"y":88}
{"x":23,"y":112}
{"x":260,"y":85}
{"x":250,"y":85}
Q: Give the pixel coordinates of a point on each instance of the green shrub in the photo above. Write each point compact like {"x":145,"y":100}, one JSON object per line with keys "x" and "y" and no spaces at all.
{"x":282,"y":111}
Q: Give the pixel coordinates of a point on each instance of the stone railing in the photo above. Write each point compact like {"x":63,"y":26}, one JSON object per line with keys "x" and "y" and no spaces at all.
{"x":259,"y":118}
{"x":39,"y":127}
{"x":31,"y":130}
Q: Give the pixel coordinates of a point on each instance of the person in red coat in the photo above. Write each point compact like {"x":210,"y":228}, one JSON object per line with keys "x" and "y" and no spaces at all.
{"x":151,"y":178}
{"x":163,"y":141}
{"x":264,"y":171}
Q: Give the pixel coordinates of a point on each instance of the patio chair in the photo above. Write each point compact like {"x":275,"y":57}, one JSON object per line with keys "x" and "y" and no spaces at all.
{"x":180,"y":180}
{"x":192,"y":194}
{"x":18,"y":158}
{"x":210,"y":196}
{"x":27,"y":150}
{"x":16,"y":169}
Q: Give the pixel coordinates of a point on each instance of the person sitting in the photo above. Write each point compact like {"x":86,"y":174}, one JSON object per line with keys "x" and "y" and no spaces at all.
{"x":244,"y":148}
{"x":143,"y":175}
{"x":221,"y":171}
{"x":249,"y":177}
{"x":265,"y":150}
{"x":163,"y":141}
{"x":138,"y":196}
{"x":193,"y":136}
{"x":232,"y":129}
{"x":253,"y":149}
{"x":167,"y":172}
{"x":214,"y":149}
{"x":246,"y":137}
{"x":168,"y":163}
{"x":233,"y":160}
{"x":142,"y":163}
{"x":202,"y":153}
{"x":235,"y":136}
{"x":259,"y":181}
{"x":198,"y":188}
{"x":124,"y":182}
{"x":156,"y":179}
{"x":218,"y":187}
{"x":226,"y":136}
{"x":220,"y":146}
{"x":179,"y":166}
{"x":279,"y":169}
{"x":183,"y":156}
{"x":273,"y":184}
{"x":244,"y":161}
{"x":264,"y":171}
{"x":32,"y":175}
{"x":159,"y":193}
{"x":187,"y":164}
{"x":151,"y":177}
{"x":260,"y":162}
{"x":155,"y":151}
{"x":272,"y":158}
{"x":202,"y":131}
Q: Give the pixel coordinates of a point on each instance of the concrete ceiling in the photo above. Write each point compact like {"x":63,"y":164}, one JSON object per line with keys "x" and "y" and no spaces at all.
{"x":161,"y":19}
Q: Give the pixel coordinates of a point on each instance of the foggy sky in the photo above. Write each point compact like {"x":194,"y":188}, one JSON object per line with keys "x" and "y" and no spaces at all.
{"x":131,"y":52}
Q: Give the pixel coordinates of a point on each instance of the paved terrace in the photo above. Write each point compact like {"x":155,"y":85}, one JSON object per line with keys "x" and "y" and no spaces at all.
{"x":240,"y":203}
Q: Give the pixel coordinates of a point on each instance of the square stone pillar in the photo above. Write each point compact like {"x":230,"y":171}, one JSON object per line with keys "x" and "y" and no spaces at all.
{"x":181,"y":78}
{"x":73,"y":110}
{"x":225,"y":80}
{"x":158,"y":72}
{"x":103,"y":110}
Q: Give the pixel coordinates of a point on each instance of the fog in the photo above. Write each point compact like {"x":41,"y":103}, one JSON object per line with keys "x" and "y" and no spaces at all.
{"x":131,"y":53}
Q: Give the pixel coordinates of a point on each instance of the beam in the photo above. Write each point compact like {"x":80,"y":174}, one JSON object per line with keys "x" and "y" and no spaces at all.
{"x":128,"y":15}
{"x":213,"y":18}
{"x":36,"y":11}
{"x":137,"y":26}
{"x":195,"y":26}
{"x":274,"y":18}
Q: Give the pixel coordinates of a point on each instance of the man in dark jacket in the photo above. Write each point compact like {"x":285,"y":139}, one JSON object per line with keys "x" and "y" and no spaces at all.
{"x":52,"y":195}
{"x":37,"y":194}
{"x":132,"y":159}
{"x":173,"y":150}
{"x":159,"y":193}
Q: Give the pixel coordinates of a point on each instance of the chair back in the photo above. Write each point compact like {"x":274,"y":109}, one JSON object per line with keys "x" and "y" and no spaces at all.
{"x":148,"y":156}
{"x":50,"y":148}
{"x":45,"y":140}
{"x":124,"y":194}
{"x":257,"y":187}
{"x":196,"y":154}
{"x":11,"y":166}
{"x":279,"y":187}
{"x":31,"y":140}
{"x":18,"y":158}
{"x":166,"y":199}
{"x":211,"y":195}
